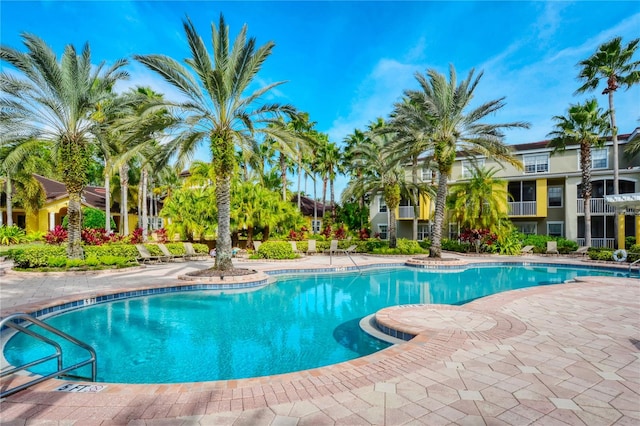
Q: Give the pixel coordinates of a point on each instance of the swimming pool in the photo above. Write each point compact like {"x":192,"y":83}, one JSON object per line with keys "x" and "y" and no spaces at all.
{"x":297,"y":323}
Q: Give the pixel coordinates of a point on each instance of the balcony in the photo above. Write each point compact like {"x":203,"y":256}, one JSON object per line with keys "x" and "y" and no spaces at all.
{"x":522,"y":208}
{"x":599,"y":242}
{"x":598,"y":206}
{"x":405,"y":212}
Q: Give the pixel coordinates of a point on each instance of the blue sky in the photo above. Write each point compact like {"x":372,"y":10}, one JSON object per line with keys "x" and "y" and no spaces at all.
{"x":345,"y":63}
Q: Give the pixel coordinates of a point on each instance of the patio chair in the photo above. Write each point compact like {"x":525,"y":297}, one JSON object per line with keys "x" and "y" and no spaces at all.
{"x":582,"y":251}
{"x":527,"y":250}
{"x":333,"y":248}
{"x":167,"y":253}
{"x":311,"y":247}
{"x":294,"y":247}
{"x":190,"y":252}
{"x":146,"y":256}
{"x":350,"y":249}
{"x":552,"y":247}
{"x":256,"y":245}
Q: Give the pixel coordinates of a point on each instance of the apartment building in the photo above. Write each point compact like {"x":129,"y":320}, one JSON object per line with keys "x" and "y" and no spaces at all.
{"x":544,"y":197}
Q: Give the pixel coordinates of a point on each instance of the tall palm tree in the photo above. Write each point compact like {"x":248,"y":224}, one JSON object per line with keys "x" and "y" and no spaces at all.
{"x":382,"y":174}
{"x":584,"y":125}
{"x":413,"y":130}
{"x":52,"y":100}
{"x":482,"y":201}
{"x":443,"y":106}
{"x":217,"y":110}
{"x":616,"y":65}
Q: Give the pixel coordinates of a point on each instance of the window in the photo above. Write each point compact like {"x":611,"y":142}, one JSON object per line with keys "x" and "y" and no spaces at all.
{"x":555,"y":196}
{"x":522,"y":191}
{"x":383,"y":206}
{"x":382,"y":230}
{"x":316,"y":226}
{"x":555,"y":229}
{"x":427,"y":174}
{"x":468,"y":167}
{"x":538,"y":163}
{"x":423,"y":232}
{"x":527,"y":228}
{"x":407,"y":203}
{"x":600,"y":158}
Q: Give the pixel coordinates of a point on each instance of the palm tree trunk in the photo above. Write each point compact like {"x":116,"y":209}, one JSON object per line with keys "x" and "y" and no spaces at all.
{"x":74,"y":212}
{"x":223,"y":242}
{"x":145,"y":215}
{"x":315,"y":205}
{"x":107,"y":201}
{"x":414,"y":179}
{"x":333,"y":200}
{"x":616,"y":172}
{"x":585,"y":165}
{"x":393,"y":238}
{"x":441,"y":196}
{"x":9,"y":202}
{"x":299,"y":178}
{"x":124,"y":201}
{"x":283,"y":176}
{"x":324,"y":194}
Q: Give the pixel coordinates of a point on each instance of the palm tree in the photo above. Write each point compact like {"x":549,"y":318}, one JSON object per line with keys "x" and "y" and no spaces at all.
{"x":381,"y":173}
{"x":413,"y":130}
{"x":482,"y":201}
{"x":615,"y":64}
{"x":216,"y":110}
{"x":442,"y":105}
{"x":584,"y":125}
{"x":52,"y":101}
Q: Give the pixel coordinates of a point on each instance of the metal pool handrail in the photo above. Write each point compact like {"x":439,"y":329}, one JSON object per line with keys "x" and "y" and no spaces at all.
{"x":10,"y":321}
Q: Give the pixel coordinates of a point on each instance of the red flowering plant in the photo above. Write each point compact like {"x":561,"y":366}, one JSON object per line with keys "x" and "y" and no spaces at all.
{"x":136,"y":236}
{"x":296,"y":236}
{"x":57,"y":235}
{"x":326,"y":232}
{"x":340,"y":233}
{"x":364,"y":234}
{"x":162,"y":235}
{"x":478,"y":237}
{"x":95,"y":237}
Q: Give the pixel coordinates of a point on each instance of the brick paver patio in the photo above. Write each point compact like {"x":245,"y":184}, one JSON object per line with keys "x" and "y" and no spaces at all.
{"x":552,"y":355}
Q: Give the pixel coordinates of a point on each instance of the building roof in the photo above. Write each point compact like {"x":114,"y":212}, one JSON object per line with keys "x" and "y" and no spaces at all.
{"x":92,"y":196}
{"x":307,"y":205}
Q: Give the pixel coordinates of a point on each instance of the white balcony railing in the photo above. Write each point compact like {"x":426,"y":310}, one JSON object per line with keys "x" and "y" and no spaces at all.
{"x":598,"y":206}
{"x":405,"y":212}
{"x":522,"y":208}
{"x":599,"y":242}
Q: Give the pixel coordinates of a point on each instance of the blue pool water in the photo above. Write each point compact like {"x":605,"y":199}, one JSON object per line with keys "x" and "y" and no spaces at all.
{"x":297,"y":323}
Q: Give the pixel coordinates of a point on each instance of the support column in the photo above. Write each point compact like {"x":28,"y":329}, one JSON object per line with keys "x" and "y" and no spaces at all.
{"x":621,"y":231}
{"x":638,"y":229}
{"x":52,"y":220}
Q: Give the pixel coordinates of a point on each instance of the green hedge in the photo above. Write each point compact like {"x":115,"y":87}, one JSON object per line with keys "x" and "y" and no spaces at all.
{"x":38,"y":257}
{"x":201,"y":248}
{"x":48,"y":256}
{"x":276,"y":250}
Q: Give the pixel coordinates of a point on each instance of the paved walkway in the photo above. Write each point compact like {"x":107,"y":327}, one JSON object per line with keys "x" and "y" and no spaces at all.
{"x":559,"y":354}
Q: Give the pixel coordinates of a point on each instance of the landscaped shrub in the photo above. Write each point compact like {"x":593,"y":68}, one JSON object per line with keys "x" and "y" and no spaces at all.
{"x":509,"y":244}
{"x":276,"y":250}
{"x":633,"y":253}
{"x":126,"y":251}
{"x":92,"y":261}
{"x":37,"y":257}
{"x":11,"y":235}
{"x":98,"y":236}
{"x":75,"y":263}
{"x":630,"y":241}
{"x":454,"y":245}
{"x":566,"y":246}
{"x":91,"y":218}
{"x":606,"y":254}
{"x":56,"y":236}
{"x":154,"y":250}
{"x":200,"y":248}
{"x":161,"y":235}
{"x":35,"y":236}
{"x":540,"y":243}
{"x":425,"y":244}
{"x":56,"y":261}
{"x":403,"y":246}
{"x":176,"y":248}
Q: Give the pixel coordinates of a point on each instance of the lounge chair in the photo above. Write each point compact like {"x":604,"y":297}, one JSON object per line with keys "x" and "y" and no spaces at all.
{"x":256,"y":245}
{"x":311,"y":247}
{"x":552,"y":247}
{"x":333,"y":248}
{"x":146,"y":256}
{"x":190,"y":252}
{"x":294,"y":247}
{"x":527,"y":250}
{"x":165,"y":251}
{"x":350,"y":249}
{"x":582,"y":251}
